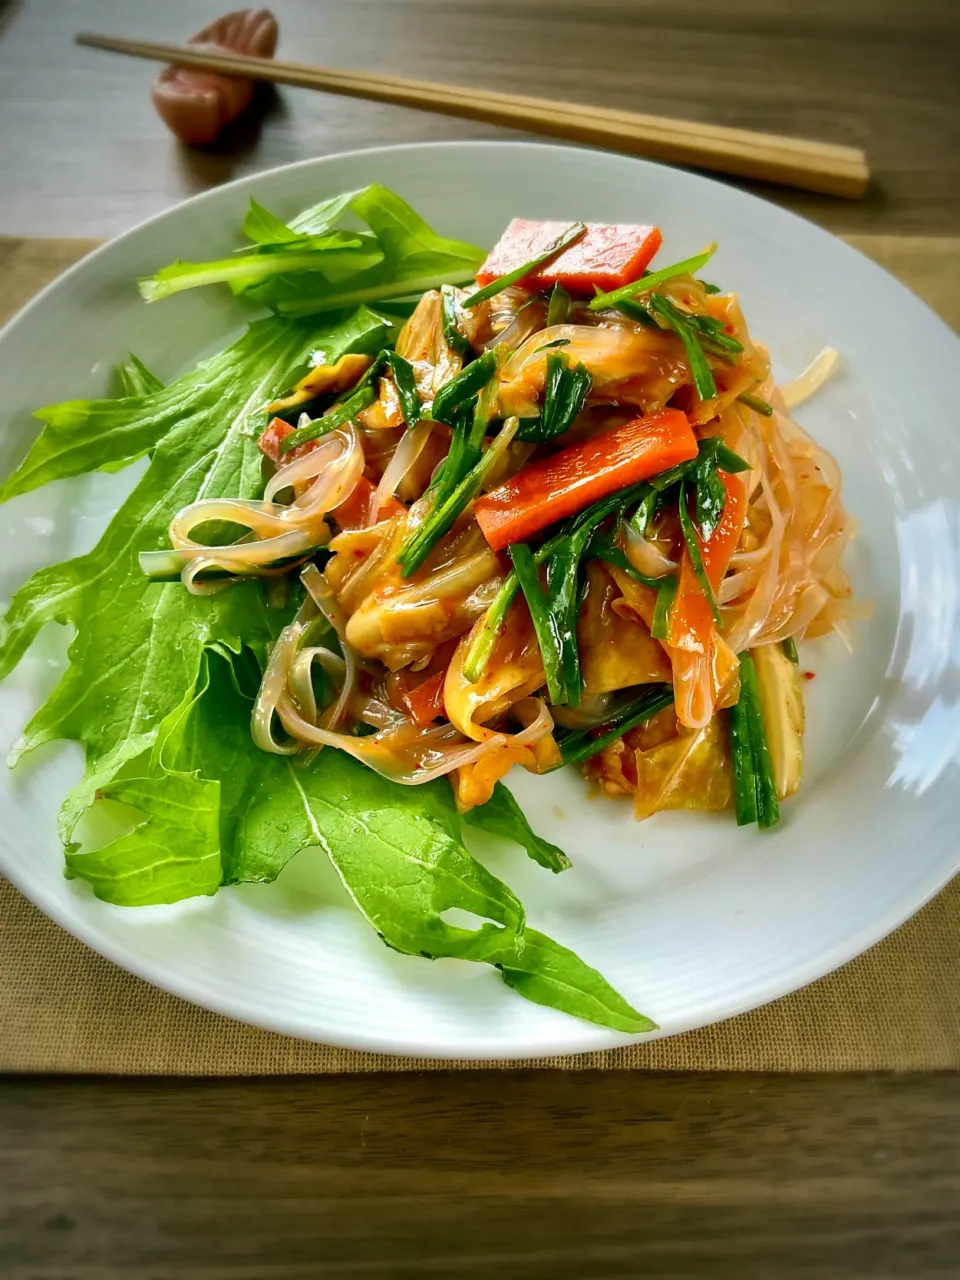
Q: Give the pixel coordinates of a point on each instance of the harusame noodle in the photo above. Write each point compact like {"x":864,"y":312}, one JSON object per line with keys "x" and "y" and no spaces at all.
{"x":498,"y":650}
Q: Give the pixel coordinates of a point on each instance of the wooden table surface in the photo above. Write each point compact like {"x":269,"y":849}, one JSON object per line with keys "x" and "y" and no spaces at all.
{"x":525,"y":1174}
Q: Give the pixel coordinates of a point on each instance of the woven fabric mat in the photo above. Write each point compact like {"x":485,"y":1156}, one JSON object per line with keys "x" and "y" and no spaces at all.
{"x":64,"y":1008}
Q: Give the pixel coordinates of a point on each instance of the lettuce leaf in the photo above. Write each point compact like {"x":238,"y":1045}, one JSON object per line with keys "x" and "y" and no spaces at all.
{"x":303,"y":253}
{"x":502,"y":816}
{"x":306,"y":267}
{"x":398,"y":850}
{"x":138,"y":646}
{"x":136,"y":379}
{"x":104,"y":435}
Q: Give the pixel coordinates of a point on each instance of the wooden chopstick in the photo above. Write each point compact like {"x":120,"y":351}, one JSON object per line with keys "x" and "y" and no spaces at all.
{"x":793,"y":162}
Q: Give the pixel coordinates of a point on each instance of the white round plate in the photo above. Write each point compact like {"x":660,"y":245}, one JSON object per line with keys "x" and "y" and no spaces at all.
{"x":691,"y":918}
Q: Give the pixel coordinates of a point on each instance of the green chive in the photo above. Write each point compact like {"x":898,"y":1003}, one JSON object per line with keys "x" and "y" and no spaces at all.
{"x":693,"y":547}
{"x":666,"y":594}
{"x":756,"y":403}
{"x":583,"y":743}
{"x":744,"y":773}
{"x":768,"y":807}
{"x":636,"y":311}
{"x":444,"y":514}
{"x":451,"y":330}
{"x":655,"y":278}
{"x":483,"y":642}
{"x":337,"y":417}
{"x":606,"y":549}
{"x":699,"y":368}
{"x":543,"y":624}
{"x":572,"y":234}
{"x":558,"y":309}
{"x":789,"y":647}
{"x":566,"y":388}
{"x":406,"y":386}
{"x":464,"y":385}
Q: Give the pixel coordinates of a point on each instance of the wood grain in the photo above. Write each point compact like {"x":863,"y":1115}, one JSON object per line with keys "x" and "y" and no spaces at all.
{"x":83,"y":154}
{"x":769,"y":157}
{"x":566,"y":1176}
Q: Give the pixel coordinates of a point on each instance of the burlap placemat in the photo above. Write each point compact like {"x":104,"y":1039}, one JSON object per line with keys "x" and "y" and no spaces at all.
{"x":64,"y":1008}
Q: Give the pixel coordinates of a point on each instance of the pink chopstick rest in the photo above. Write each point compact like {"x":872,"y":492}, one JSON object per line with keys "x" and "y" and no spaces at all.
{"x":196,"y":105}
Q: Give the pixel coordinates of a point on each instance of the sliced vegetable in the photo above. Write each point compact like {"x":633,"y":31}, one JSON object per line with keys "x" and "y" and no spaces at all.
{"x":694,"y":553}
{"x":548,"y":637}
{"x":406,"y":385}
{"x":558,"y":308}
{"x":443,"y":514}
{"x":790,"y":649}
{"x":692,"y":618}
{"x":781,"y":701}
{"x":451,"y":328}
{"x":425,"y":700}
{"x":483,"y":642}
{"x":768,"y":810}
{"x":700,"y":369}
{"x":570,"y":480}
{"x":580,"y":744}
{"x":604,"y":548}
{"x":464,"y":386}
{"x":744,"y":772}
{"x":666,"y":594}
{"x":335,"y":418}
{"x":710,"y":496}
{"x":654,"y":279}
{"x":604,"y":257}
{"x":503,"y":280}
{"x":566,"y":387}
{"x":755,"y":403}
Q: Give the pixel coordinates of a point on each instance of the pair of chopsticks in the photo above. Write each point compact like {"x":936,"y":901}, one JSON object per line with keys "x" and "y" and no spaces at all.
{"x":792,"y":162}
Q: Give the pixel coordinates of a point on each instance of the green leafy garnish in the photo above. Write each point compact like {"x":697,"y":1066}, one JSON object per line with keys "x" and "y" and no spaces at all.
{"x":307,"y":266}
{"x":502,"y":816}
{"x":139,"y":645}
{"x":693,"y":548}
{"x":557,"y":246}
{"x":566,"y":388}
{"x":653,"y":279}
{"x":447,"y":509}
{"x":215,"y":810}
{"x":604,"y":548}
{"x":337,"y":417}
{"x":756,"y":403}
{"x":580,"y":744}
{"x":666,"y":594}
{"x":136,"y":379}
{"x":451,"y":330}
{"x":544,"y":623}
{"x":700,"y":369}
{"x":752,"y":754}
{"x":558,"y":309}
{"x":245,"y":270}
{"x":463,"y":386}
{"x":406,"y":385}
